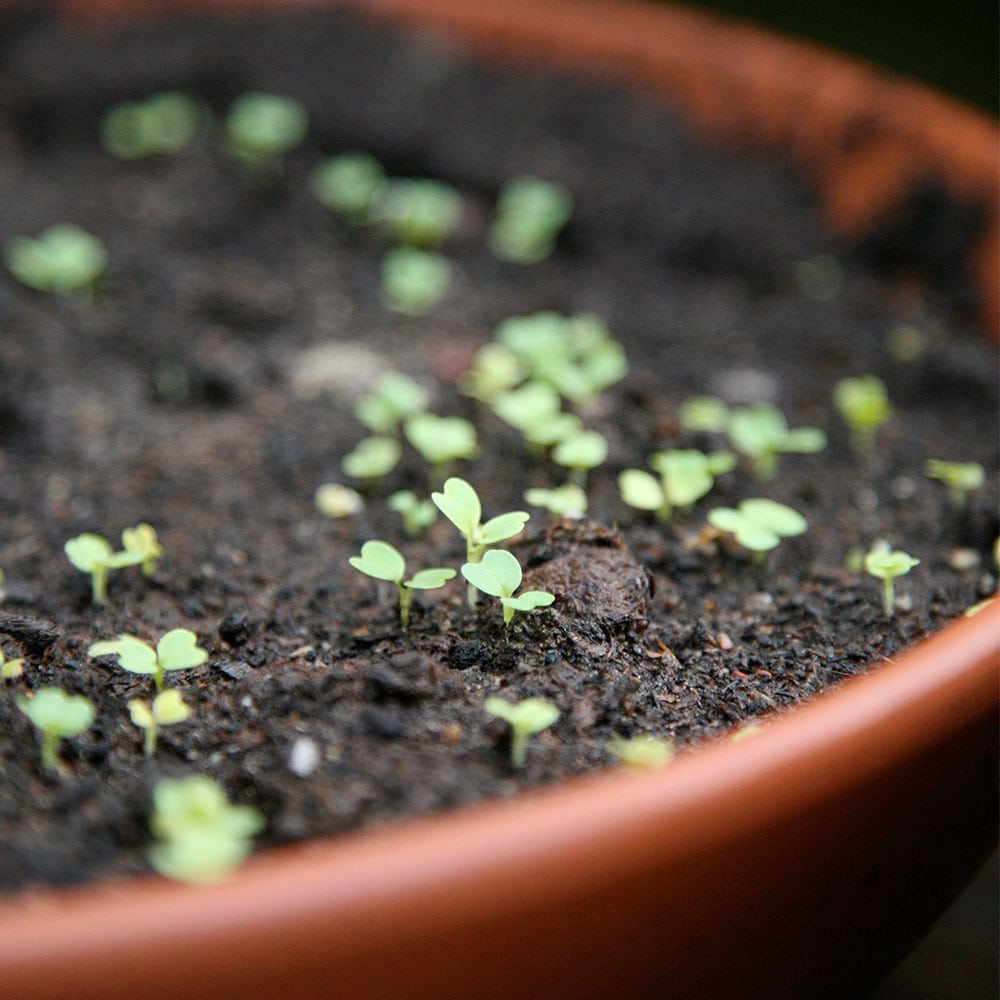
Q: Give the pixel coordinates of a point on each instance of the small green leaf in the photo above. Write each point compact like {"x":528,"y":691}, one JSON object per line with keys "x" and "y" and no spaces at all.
{"x":380,"y":560}
{"x":430,"y":579}
{"x":529,"y":600}
{"x":134,"y":655}
{"x":178,"y":649}
{"x":503,"y":526}
{"x":54,"y":711}
{"x":568,"y":500}
{"x":459,"y":502}
{"x":372,"y":458}
{"x":441,"y":439}
{"x":498,"y":573}
{"x":88,"y":552}
{"x":641,"y":490}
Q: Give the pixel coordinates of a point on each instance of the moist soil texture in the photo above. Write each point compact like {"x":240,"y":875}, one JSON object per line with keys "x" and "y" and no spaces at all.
{"x":207,"y":386}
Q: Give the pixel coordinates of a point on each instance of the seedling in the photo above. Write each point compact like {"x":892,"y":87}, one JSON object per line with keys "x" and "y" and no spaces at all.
{"x":642,"y":752}
{"x":459,"y":502}
{"x":178,"y":649}
{"x":167,"y":708}
{"x":381,"y":561}
{"x":347,"y":184}
{"x":334,"y":500}
{"x":394,"y":397}
{"x":161,"y":125}
{"x":9,"y":669}
{"x":441,"y":440}
{"x":961,"y":478}
{"x":417,"y":514}
{"x":886,"y":566}
{"x":703,"y":414}
{"x":579,"y":453}
{"x":530,"y":213}
{"x":495,"y":369}
{"x":413,"y":280}
{"x":758,"y":524}
{"x":372,"y":458}
{"x":535,"y":410}
{"x":56,"y":715}
{"x":498,"y":573}
{"x":761,"y":433}
{"x":93,"y":554}
{"x":568,"y":500}
{"x":418,"y":212}
{"x":262,"y":128}
{"x":62,"y":260}
{"x":202,"y":836}
{"x":684,"y":477}
{"x":142,"y":543}
{"x":525,"y":718}
{"x":864,"y":404}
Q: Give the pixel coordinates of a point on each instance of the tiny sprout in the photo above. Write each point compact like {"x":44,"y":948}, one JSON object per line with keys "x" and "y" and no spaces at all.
{"x":334,"y":500}
{"x":394,"y":397}
{"x":418,"y":212}
{"x":261,"y":128}
{"x":202,"y":837}
{"x":381,"y":561}
{"x":63,"y":259}
{"x":441,"y":440}
{"x":495,"y":369}
{"x":178,"y":649}
{"x":864,"y":404}
{"x":459,"y":502}
{"x":758,"y":524}
{"x":530,"y":213}
{"x":10,"y":668}
{"x":372,"y":458}
{"x":56,"y":714}
{"x":347,"y":184}
{"x":761,"y":433}
{"x":160,"y":125}
{"x":583,"y":451}
{"x":535,"y":410}
{"x":525,"y":718}
{"x":417,"y":514}
{"x":414,"y":281}
{"x":703,"y":414}
{"x":142,"y":543}
{"x":568,"y":500}
{"x":886,"y":566}
{"x":961,"y":478}
{"x":642,"y":752}
{"x":498,"y":573}
{"x":93,"y":554}
{"x":685,"y":475}
{"x":167,"y":708}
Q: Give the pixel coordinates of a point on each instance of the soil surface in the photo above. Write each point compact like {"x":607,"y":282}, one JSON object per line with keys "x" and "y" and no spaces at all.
{"x":207,"y":387}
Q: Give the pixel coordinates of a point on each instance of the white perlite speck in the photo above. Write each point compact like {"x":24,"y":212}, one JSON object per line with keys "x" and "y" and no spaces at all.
{"x":303,"y":758}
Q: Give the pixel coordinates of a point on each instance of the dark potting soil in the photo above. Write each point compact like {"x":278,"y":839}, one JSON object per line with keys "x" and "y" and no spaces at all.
{"x":260,"y":313}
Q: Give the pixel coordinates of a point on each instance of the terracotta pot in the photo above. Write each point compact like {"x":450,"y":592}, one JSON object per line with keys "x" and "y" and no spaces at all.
{"x":803,"y":862}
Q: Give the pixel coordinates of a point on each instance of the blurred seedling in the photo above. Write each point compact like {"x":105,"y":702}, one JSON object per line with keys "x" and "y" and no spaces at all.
{"x":685,"y":475}
{"x":93,"y":554}
{"x":159,"y":125}
{"x":568,"y":500}
{"x":642,"y":752}
{"x":381,"y":561}
{"x":167,"y":708}
{"x":886,"y":566}
{"x":202,"y":836}
{"x":62,"y":260}
{"x":495,"y":369}
{"x":334,"y":500}
{"x":393,"y":398}
{"x":177,"y":649}
{"x":417,"y":212}
{"x":56,"y":715}
{"x":441,"y":440}
{"x":414,"y":280}
{"x":704,"y":415}
{"x":525,"y":718}
{"x":960,"y":479}
{"x":761,"y":433}
{"x":9,"y":669}
{"x":417,"y":514}
{"x":580,"y":453}
{"x":371,"y":459}
{"x":141,"y":542}
{"x":530,"y":213}
{"x":864,"y":404}
{"x":262,"y":128}
{"x":758,"y":524}
{"x":535,"y":410}
{"x":498,"y":573}
{"x":347,"y":184}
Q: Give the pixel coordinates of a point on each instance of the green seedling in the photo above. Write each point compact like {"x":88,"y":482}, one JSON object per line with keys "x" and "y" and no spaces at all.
{"x":417,"y":514}
{"x":167,"y":708}
{"x":262,"y":128}
{"x":381,"y":561}
{"x":568,"y":500}
{"x":62,"y":260}
{"x":202,"y":836}
{"x":141,"y":543}
{"x":684,"y":477}
{"x":525,"y":718}
{"x":57,"y":715}
{"x":459,"y":502}
{"x":178,"y":649}
{"x":642,"y":752}
{"x":335,"y":501}
{"x":93,"y":554}
{"x":761,"y":433}
{"x":960,"y":478}
{"x":495,"y":369}
{"x":9,"y":669}
{"x":441,"y":440}
{"x":371,"y":459}
{"x":535,"y":410}
{"x":703,"y":414}
{"x":864,"y":404}
{"x":529,"y":215}
{"x":580,"y":453}
{"x":886,"y":566}
{"x":417,"y":212}
{"x":498,"y":573}
{"x":347,"y":184}
{"x":758,"y":524}
{"x":394,"y":397}
{"x":161,"y":125}
{"x":414,"y":280}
